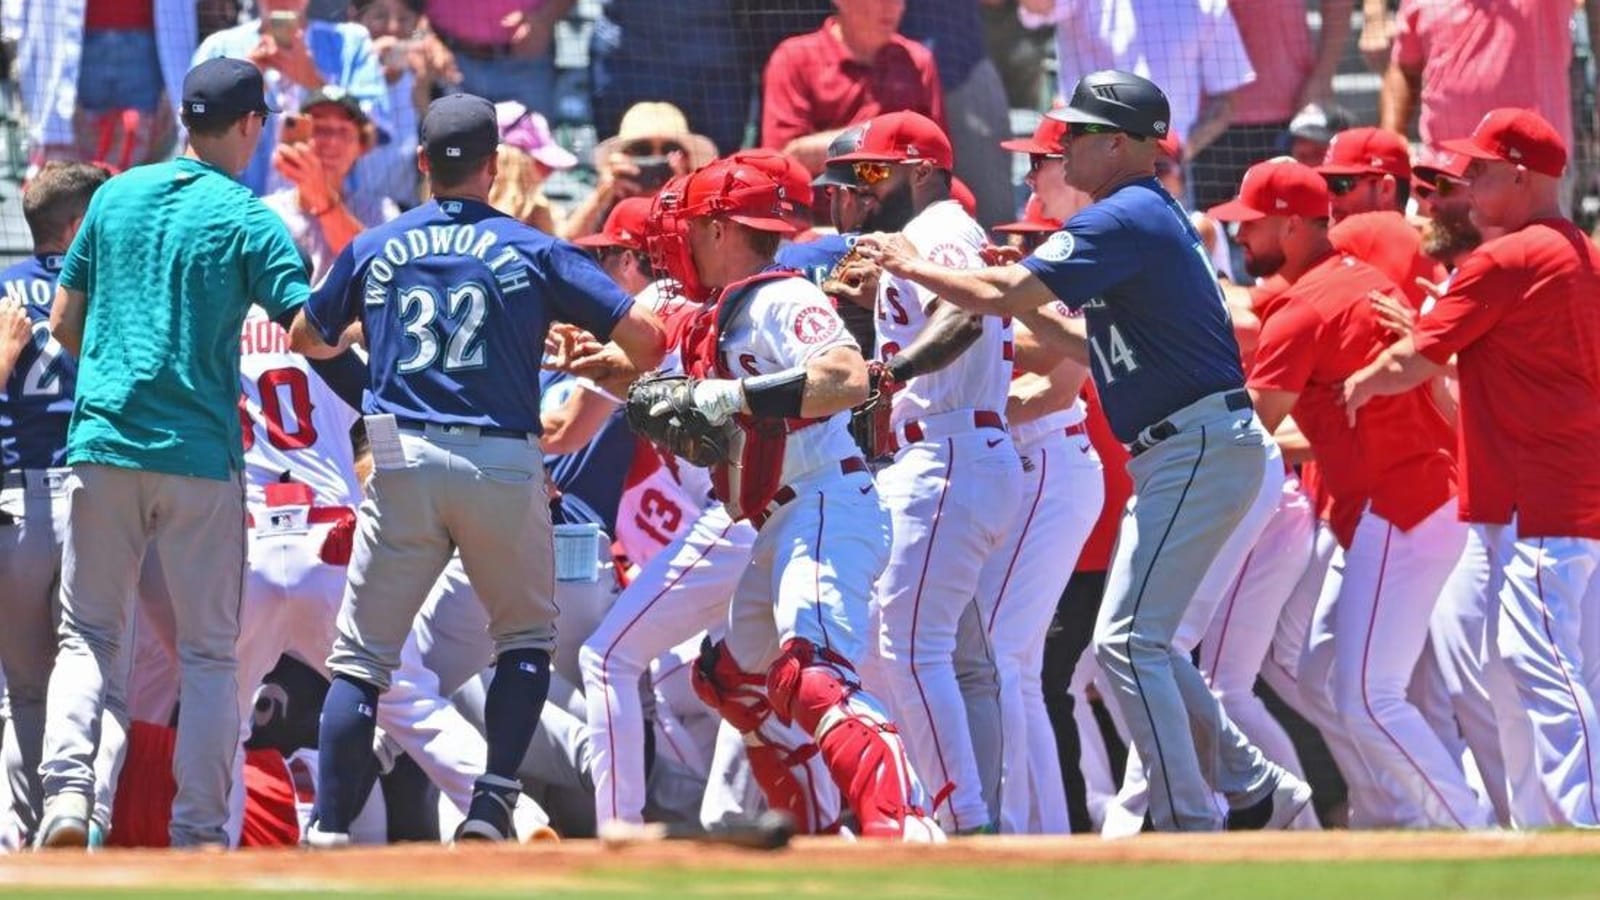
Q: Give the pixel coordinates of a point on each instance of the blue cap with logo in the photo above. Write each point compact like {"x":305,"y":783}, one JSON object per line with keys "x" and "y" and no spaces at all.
{"x":460,"y":127}
{"x":224,"y":89}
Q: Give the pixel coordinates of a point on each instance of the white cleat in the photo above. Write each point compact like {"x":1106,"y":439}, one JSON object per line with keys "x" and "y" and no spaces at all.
{"x":65,"y":824}
{"x":317,"y":839}
{"x":922,"y":830}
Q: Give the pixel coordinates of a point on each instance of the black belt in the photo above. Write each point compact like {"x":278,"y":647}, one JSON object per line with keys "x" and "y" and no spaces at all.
{"x":419,"y":426}
{"x":1160,"y":431}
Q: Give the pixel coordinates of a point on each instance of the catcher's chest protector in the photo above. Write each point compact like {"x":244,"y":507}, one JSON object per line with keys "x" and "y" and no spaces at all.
{"x":756,"y":450}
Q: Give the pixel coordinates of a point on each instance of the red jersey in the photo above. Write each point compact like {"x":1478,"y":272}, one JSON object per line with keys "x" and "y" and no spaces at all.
{"x":1386,"y":241}
{"x":813,"y":84}
{"x":1096,"y":553}
{"x":1523,"y":318}
{"x":1397,"y":457}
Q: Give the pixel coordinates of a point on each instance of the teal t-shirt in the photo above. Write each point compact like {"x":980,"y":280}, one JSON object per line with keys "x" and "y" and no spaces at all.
{"x":171,"y":256}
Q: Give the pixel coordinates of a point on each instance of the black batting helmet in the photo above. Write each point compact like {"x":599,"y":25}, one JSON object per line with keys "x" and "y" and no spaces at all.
{"x":1120,"y":100}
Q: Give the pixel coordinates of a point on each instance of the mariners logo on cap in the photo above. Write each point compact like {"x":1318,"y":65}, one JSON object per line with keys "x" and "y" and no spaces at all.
{"x":1160,"y":128}
{"x":197,"y":108}
{"x":1058,"y":248}
{"x":451,"y":206}
{"x":452,"y":151}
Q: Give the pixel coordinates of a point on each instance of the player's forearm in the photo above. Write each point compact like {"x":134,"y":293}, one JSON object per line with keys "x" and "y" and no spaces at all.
{"x":835,"y":381}
{"x":304,"y":339}
{"x":1292,"y":443}
{"x":66,"y":319}
{"x":947,"y":335}
{"x":1398,"y":98}
{"x":568,"y":429}
{"x":1216,"y":111}
{"x":1035,"y":396}
{"x":991,"y":291}
{"x":1057,"y":334}
{"x":339,"y":227}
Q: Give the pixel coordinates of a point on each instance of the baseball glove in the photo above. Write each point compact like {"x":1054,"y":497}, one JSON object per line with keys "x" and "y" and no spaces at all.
{"x":661,"y":409}
{"x":869,"y":422}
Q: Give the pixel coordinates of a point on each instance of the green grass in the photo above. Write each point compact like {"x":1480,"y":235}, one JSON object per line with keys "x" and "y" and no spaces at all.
{"x":1556,"y":878}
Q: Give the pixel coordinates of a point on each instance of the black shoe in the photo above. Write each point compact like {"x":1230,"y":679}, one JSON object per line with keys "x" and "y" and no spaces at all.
{"x":489,"y":816}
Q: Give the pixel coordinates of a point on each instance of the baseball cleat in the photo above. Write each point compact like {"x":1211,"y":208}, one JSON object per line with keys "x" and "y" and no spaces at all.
{"x":489,"y":817}
{"x":922,"y":830}
{"x":66,"y":823}
{"x":317,"y":839}
{"x":1276,"y":811}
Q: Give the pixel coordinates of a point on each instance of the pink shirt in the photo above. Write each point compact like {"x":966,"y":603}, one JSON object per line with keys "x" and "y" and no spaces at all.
{"x":477,"y":21}
{"x":1484,"y":55}
{"x":1279,"y":44}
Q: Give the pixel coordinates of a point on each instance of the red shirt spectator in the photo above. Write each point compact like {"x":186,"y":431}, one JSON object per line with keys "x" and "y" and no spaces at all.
{"x":1465,"y":59}
{"x":1290,"y":73}
{"x":843,"y":73}
{"x":1522,"y":318}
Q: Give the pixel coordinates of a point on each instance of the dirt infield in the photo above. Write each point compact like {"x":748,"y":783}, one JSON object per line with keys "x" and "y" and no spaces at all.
{"x":566,"y":864}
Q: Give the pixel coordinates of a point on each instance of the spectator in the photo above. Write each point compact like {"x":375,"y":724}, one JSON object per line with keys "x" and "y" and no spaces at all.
{"x":1191,"y":48}
{"x":1290,"y":74}
{"x":1019,"y":51}
{"x":693,"y":59}
{"x":505,"y":49}
{"x":528,"y":154}
{"x":1311,"y":131}
{"x":298,"y":57}
{"x":1459,"y":61}
{"x":113,"y":96}
{"x":321,"y":220}
{"x":974,"y":100}
{"x":653,"y":144}
{"x":852,"y":68}
{"x":415,"y":64}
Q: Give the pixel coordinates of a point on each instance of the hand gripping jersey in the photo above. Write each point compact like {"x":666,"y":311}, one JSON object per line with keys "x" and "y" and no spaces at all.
{"x":773,"y":321}
{"x":294,"y":425}
{"x":981,"y":375}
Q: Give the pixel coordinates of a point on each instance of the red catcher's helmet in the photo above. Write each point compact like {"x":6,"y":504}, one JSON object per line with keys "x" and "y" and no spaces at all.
{"x":741,"y":192}
{"x":784,"y":169}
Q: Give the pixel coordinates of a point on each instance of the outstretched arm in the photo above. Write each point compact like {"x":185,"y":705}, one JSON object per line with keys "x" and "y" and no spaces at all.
{"x":992,"y":291}
{"x":947,"y":335}
{"x":1396,"y":370}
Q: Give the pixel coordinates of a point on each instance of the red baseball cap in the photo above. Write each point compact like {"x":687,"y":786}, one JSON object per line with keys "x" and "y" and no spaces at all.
{"x":1033,"y":220}
{"x":1519,"y":136}
{"x":1367,"y":151}
{"x":1046,"y":139}
{"x":1435,"y":164}
{"x":901,"y":137}
{"x":625,"y":226}
{"x":1172,"y":147}
{"x":1277,"y":187}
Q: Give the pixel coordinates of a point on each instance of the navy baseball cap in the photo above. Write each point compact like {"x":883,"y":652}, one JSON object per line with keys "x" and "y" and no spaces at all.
{"x":460,"y":127}
{"x":224,"y":89}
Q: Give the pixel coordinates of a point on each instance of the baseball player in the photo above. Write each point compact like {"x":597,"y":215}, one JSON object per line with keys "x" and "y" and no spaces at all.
{"x":1206,"y":474}
{"x":1371,"y":623}
{"x":1368,"y":171}
{"x":953,"y":487}
{"x":151,"y":298}
{"x":1519,"y":319}
{"x":33,"y":446}
{"x":455,"y":300}
{"x":774,"y":372}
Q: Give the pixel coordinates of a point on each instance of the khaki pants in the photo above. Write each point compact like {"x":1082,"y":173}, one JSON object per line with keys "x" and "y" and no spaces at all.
{"x":195,"y":527}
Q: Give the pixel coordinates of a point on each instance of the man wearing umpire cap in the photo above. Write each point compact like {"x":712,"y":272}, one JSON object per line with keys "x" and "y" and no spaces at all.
{"x":1157,"y":338}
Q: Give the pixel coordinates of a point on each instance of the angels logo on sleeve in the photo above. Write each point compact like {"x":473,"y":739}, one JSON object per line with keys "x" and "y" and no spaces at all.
{"x":1058,"y":248}
{"x":816,"y":324}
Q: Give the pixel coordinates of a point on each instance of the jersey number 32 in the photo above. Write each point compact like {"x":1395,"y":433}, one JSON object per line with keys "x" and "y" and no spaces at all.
{"x":464,"y":306}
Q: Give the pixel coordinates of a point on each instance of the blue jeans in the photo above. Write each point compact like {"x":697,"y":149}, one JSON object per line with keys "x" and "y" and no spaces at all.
{"x":530,"y":80}
{"x":119,"y":70}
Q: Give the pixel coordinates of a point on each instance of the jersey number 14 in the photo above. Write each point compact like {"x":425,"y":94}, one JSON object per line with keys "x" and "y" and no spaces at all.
{"x":1112,"y":356}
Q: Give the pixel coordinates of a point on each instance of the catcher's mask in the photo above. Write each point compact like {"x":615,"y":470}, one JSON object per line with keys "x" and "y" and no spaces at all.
{"x":742,"y":192}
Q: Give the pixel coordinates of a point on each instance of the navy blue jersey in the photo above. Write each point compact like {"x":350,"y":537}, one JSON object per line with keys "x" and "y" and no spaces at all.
{"x":456,"y":298}
{"x":814,"y":259}
{"x":37,"y":404}
{"x":1160,"y":337}
{"x":590,"y":479}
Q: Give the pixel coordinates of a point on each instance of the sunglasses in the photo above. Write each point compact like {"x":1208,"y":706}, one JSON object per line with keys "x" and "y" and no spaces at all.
{"x":1079,"y":129}
{"x":651,"y":147}
{"x":1339,"y":185}
{"x":871,"y":173}
{"x":1036,"y":161}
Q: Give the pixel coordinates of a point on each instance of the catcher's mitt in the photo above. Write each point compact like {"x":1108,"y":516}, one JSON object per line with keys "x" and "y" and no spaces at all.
{"x":661,"y":409}
{"x":869,"y":422}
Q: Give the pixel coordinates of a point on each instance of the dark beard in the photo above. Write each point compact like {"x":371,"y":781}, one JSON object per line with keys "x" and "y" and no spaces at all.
{"x":893,"y":212}
{"x":1448,"y":238}
{"x":1263,"y":266}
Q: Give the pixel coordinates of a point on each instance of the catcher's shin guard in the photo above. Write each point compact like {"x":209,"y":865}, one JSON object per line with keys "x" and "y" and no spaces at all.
{"x":817,"y":689}
{"x":782,"y":761}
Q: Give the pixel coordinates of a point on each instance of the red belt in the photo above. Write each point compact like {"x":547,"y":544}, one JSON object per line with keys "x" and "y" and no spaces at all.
{"x":786,"y":494}
{"x":914,"y":431}
{"x":317,"y":515}
{"x":294,"y":493}
{"x":1080,"y":428}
